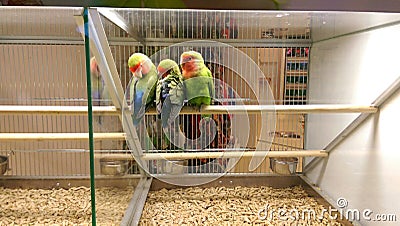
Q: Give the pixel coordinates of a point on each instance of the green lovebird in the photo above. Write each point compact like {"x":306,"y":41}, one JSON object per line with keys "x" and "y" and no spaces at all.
{"x":99,"y":89}
{"x":200,"y":90}
{"x":143,"y":85}
{"x":169,"y":99}
{"x":198,"y":80}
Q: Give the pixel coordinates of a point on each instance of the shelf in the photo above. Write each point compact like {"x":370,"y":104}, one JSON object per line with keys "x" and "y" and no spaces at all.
{"x":296,"y":59}
{"x":291,"y":73}
{"x":296,"y":86}
{"x":296,"y":78}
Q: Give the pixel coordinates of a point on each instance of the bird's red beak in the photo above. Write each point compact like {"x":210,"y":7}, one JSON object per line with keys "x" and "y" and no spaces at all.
{"x":136,"y":70}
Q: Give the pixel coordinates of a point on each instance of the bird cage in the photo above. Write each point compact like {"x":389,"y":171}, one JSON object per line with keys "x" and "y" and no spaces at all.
{"x":288,"y":89}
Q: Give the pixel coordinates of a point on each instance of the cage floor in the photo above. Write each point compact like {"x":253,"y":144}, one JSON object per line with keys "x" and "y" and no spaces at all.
{"x":62,"y":206}
{"x":238,"y":201}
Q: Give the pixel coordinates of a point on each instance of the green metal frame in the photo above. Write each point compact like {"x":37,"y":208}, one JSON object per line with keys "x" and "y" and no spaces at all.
{"x":90,"y":115}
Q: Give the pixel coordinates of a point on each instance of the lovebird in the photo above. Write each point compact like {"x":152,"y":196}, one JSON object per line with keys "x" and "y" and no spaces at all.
{"x":198,"y":80}
{"x":169,"y":93}
{"x":169,"y":99}
{"x":99,"y":89}
{"x":143,"y":85}
{"x":199,"y":90}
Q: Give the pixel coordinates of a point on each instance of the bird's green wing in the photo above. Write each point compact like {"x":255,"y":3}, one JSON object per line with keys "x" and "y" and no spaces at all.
{"x":211,"y":86}
{"x":147,"y":84}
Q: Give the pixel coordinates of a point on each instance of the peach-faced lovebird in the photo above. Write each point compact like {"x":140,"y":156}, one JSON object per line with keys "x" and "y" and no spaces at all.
{"x":169,"y":98}
{"x":143,"y":85}
{"x":169,"y":94}
{"x":199,"y":89}
{"x":198,"y":80}
{"x":99,"y":90}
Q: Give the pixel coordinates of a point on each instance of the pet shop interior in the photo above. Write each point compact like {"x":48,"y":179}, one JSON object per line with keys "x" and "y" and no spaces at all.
{"x":295,"y":116}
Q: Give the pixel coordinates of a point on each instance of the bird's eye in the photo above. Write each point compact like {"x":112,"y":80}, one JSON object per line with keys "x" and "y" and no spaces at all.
{"x":189,"y":58}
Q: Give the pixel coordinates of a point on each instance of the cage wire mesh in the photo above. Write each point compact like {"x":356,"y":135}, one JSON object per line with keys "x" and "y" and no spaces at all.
{"x":279,"y":46}
{"x":43,"y":63}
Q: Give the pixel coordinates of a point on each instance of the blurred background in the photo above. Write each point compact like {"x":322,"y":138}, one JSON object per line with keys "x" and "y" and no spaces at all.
{"x":319,"y":5}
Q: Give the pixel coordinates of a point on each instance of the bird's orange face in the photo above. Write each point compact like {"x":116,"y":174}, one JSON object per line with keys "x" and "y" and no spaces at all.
{"x":188,"y":65}
{"x":162,"y":72}
{"x":139,"y":69}
{"x":136,"y":70}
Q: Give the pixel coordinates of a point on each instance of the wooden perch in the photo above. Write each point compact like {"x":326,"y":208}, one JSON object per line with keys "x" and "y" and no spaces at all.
{"x":213,"y":109}
{"x":56,"y":110}
{"x":233,"y":154}
{"x":303,"y":109}
{"x":59,"y":136}
{"x":200,"y":155}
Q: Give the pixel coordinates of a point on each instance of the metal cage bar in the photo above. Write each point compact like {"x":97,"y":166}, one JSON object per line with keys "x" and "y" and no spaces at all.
{"x":277,"y":42}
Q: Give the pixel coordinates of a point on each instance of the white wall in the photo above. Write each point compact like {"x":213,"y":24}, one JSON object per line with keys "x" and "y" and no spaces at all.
{"x":365,"y":167}
{"x":353,"y":69}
